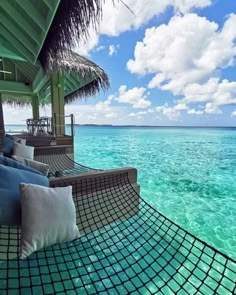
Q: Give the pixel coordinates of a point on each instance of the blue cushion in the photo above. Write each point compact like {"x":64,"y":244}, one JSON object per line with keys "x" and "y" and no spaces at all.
{"x":13,"y":163}
{"x":10,"y":178}
{"x":10,"y":207}
{"x":8,"y":145}
{"x":9,"y":136}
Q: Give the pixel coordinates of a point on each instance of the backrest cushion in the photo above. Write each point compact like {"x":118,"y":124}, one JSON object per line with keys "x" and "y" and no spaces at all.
{"x":8,"y":145}
{"x":15,"y":164}
{"x":10,"y":179}
{"x":39,"y":166}
{"x":24,"y":151}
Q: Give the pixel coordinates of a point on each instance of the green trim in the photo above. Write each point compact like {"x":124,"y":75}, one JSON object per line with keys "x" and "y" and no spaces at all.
{"x":57,"y":100}
{"x":9,"y":87}
{"x":24,"y":52}
{"x":50,"y":18}
{"x":39,"y":81}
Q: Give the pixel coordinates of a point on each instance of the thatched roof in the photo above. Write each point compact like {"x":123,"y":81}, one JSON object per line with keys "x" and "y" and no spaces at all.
{"x":70,"y":24}
{"x":82,"y":78}
{"x":92,"y":77}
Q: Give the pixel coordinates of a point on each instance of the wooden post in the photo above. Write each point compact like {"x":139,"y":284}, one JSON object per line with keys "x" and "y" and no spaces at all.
{"x":57,"y":98}
{"x":35,"y":106}
{"x":2,"y":129}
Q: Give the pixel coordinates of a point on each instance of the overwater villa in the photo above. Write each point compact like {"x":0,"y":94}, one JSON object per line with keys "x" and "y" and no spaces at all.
{"x":66,"y":228}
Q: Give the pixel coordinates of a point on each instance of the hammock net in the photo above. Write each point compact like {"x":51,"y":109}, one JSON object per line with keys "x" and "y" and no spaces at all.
{"x":60,"y":163}
{"x":127,"y":247}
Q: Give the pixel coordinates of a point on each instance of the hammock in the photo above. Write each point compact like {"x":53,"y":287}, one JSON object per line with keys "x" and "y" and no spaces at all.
{"x":127,"y":247}
{"x":59,"y":162}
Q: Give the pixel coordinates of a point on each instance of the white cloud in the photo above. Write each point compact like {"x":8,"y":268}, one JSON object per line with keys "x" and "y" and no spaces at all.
{"x":180,"y":56}
{"x":181,"y":107}
{"x":188,"y":61}
{"x":135,"y":96}
{"x":212,"y":109}
{"x":233,"y":114}
{"x":113,"y":49}
{"x":111,"y":115}
{"x":104,"y":105}
{"x":84,"y":47}
{"x":195,"y":112}
{"x":170,"y":112}
{"x":213,"y":90}
{"x":100,"y":48}
{"x":118,"y":19}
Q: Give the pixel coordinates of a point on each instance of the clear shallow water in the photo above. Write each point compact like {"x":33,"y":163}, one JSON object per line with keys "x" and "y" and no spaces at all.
{"x":188,"y":174}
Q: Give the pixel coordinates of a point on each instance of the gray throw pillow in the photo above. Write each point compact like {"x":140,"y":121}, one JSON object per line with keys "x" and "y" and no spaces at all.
{"x":41,"y":167}
{"x":48,"y":217}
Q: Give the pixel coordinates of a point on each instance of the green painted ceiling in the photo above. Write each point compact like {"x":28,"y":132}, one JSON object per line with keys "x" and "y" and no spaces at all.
{"x":24,"y":79}
{"x":24,"y":25}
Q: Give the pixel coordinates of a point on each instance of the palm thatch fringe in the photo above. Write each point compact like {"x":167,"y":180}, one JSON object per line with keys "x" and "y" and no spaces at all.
{"x":88,"y":90}
{"x":72,"y":62}
{"x":70,"y":25}
{"x":87,"y":70}
{"x":16,"y":101}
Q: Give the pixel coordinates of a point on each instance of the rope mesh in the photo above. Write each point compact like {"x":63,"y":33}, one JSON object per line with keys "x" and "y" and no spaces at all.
{"x":60,"y":163}
{"x":127,"y":247}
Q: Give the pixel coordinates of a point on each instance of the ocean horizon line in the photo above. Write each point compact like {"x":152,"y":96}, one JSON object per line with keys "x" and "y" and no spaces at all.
{"x":138,"y":126}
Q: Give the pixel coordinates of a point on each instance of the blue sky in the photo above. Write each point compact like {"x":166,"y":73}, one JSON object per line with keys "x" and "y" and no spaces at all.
{"x":171,"y":63}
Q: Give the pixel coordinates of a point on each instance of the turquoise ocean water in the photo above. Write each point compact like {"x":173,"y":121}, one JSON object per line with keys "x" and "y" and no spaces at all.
{"x":188,"y":174}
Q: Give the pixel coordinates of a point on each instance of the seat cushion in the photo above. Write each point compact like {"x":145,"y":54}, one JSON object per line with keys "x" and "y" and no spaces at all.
{"x":10,"y":179}
{"x":15,"y":164}
{"x":48,"y":217}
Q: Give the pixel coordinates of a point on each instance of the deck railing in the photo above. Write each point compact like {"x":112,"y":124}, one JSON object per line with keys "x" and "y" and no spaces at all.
{"x":70,"y":131}
{"x":50,"y":125}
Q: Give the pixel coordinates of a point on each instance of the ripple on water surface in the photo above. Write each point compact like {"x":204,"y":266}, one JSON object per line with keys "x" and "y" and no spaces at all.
{"x":188,"y":174}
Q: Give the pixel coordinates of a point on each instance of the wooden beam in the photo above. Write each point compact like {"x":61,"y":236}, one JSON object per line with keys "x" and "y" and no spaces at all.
{"x":74,"y":81}
{"x":25,"y":53}
{"x":3,"y":68}
{"x":9,"y":87}
{"x":8,"y":51}
{"x":35,"y":106}
{"x":57,"y":99}
{"x":68,"y":83}
{"x":39,"y":81}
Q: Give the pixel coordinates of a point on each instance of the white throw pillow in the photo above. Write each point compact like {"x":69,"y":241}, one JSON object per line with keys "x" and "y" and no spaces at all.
{"x":48,"y":217}
{"x":19,"y":140}
{"x":41,"y":167}
{"x":24,"y":151}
